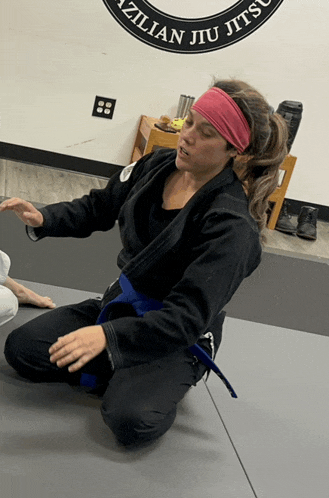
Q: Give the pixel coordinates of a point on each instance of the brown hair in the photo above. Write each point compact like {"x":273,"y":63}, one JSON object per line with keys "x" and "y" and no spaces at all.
{"x":258,"y":166}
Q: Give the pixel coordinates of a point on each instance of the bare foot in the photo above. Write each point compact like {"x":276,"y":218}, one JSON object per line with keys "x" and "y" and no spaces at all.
{"x":27,"y":296}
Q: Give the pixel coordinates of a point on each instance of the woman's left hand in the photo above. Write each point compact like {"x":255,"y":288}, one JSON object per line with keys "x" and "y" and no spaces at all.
{"x":78,"y":347}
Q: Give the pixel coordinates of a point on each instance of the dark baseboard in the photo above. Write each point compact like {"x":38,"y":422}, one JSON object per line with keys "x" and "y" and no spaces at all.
{"x":39,"y":157}
{"x":97,"y":168}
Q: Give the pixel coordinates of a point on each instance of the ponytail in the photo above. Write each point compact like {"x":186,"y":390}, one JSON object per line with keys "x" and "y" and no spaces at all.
{"x":261,"y":173}
{"x":258,"y":167}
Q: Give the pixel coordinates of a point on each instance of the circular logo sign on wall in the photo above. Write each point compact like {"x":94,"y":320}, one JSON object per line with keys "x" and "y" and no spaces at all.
{"x":178,"y":26}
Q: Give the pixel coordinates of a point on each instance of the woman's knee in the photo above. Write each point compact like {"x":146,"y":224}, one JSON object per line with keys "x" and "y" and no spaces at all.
{"x":13,"y":346}
{"x":28,"y":356}
{"x":133,"y":425}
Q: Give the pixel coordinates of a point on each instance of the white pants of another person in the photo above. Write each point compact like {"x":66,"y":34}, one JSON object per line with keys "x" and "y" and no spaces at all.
{"x":8,"y":300}
{"x":8,"y":305}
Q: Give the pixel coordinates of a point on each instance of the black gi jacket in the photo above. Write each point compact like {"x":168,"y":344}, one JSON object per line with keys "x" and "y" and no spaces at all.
{"x":194,"y":266}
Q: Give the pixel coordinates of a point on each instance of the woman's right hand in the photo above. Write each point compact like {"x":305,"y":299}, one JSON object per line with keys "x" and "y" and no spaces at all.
{"x":24,"y":210}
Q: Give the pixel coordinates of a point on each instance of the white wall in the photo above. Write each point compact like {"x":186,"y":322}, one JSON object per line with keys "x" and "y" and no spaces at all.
{"x":57,"y":56}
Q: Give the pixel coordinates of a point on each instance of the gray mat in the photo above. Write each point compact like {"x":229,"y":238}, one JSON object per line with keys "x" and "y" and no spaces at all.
{"x":84,"y":264}
{"x":279,"y":423}
{"x":285,"y":292}
{"x":53,"y":442}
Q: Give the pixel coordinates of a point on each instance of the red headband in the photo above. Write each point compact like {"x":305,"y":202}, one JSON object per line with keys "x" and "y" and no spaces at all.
{"x":226,"y":116}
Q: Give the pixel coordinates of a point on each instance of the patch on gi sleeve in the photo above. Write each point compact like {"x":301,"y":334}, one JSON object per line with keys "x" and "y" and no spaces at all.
{"x":126,"y":172}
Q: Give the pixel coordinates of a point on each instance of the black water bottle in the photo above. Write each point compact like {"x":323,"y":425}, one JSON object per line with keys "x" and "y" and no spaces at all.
{"x":292,"y":113}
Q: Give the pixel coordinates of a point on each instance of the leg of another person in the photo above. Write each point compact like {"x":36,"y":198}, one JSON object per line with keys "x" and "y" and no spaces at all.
{"x":26,"y":348}
{"x":140,"y":402}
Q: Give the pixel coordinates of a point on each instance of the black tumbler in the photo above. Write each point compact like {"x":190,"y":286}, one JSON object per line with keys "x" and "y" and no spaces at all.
{"x":292,"y":113}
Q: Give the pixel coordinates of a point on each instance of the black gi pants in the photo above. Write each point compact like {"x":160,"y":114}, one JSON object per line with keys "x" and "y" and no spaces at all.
{"x":139,"y":403}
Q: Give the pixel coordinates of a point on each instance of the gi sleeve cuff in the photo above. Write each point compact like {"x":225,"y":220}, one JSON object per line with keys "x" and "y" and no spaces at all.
{"x":112,"y":347}
{"x":110,"y":357}
{"x":34,"y":233}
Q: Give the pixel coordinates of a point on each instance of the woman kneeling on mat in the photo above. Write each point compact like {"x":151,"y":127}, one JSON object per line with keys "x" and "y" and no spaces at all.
{"x":191,"y":232}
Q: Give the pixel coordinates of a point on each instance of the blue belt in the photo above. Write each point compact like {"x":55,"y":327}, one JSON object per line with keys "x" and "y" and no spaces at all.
{"x":142,"y":304}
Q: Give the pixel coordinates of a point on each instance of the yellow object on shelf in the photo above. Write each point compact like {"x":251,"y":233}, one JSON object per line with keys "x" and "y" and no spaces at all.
{"x":177,"y":123}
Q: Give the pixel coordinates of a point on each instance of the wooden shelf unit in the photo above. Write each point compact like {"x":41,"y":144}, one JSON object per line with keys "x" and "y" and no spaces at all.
{"x":278,"y":196}
{"x":149,"y":138}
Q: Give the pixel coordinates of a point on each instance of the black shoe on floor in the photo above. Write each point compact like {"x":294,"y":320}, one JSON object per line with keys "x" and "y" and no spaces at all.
{"x":307,"y":219}
{"x":284,"y":224}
